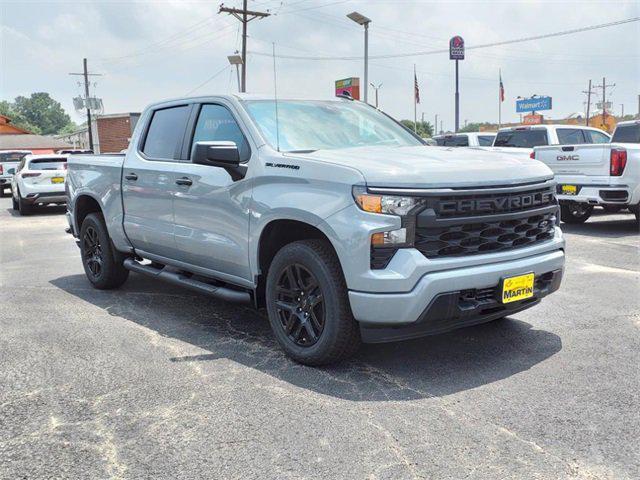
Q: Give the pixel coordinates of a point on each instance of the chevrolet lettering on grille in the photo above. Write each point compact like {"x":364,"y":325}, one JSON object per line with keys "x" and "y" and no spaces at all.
{"x":495,"y":204}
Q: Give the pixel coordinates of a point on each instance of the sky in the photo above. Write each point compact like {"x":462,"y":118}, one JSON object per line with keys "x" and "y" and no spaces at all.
{"x":146,"y":51}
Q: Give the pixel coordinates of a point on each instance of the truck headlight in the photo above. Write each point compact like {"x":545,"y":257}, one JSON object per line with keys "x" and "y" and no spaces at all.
{"x":389,"y":204}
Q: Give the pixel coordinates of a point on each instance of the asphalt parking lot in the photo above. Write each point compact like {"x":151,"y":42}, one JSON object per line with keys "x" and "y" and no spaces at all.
{"x":152,"y":381}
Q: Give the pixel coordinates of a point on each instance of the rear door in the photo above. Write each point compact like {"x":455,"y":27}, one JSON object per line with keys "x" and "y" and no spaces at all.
{"x":147,"y":181}
{"x":210,"y":208}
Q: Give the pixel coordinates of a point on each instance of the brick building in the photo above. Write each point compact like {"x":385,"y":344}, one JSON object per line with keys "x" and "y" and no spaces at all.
{"x":111,"y":133}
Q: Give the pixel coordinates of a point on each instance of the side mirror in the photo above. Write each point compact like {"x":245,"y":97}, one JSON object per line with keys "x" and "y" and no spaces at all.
{"x":220,"y":154}
{"x":216,"y":154}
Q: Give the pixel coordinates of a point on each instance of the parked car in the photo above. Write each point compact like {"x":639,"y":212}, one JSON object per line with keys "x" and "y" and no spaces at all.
{"x":74,"y":151}
{"x":522,"y":140}
{"x":467,"y":139}
{"x":39,"y":180}
{"x":607,"y":174}
{"x":330,"y":214}
{"x":9,"y":160}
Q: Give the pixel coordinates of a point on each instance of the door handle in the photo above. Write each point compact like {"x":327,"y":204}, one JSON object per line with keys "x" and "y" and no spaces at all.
{"x":131,"y":176}
{"x":184,"y":181}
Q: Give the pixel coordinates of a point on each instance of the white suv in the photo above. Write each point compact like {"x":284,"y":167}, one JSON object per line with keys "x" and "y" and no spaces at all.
{"x":39,"y":180}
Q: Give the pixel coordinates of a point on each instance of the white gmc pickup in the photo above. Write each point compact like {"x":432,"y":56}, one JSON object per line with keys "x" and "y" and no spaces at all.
{"x":599,"y":174}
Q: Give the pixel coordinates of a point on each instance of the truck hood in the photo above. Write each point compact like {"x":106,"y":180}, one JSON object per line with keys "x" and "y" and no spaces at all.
{"x":435,"y":167}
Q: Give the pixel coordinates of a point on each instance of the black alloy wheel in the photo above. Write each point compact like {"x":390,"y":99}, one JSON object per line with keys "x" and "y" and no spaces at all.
{"x":93,"y":256}
{"x":300,"y":305}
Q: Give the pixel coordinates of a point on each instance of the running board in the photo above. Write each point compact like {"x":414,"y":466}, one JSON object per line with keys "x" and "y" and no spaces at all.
{"x":222,"y":293}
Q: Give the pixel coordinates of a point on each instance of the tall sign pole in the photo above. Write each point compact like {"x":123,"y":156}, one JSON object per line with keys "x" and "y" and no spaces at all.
{"x":456,"y":52}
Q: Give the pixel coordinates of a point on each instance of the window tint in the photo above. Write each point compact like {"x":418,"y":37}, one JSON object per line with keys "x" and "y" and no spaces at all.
{"x":570,"y":136}
{"x":485,"y":140}
{"x":596,"y":137}
{"x":11,"y":156}
{"x":454,"y":141}
{"x":48,"y":164}
{"x":164,"y":137}
{"x":627,"y":134}
{"x":521,"y":138}
{"x":216,"y":124}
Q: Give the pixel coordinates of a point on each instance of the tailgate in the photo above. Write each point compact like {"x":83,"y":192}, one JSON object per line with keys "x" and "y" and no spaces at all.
{"x":588,"y":160}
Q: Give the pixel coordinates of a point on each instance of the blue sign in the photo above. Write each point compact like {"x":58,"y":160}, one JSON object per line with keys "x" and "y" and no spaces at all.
{"x":533,"y":104}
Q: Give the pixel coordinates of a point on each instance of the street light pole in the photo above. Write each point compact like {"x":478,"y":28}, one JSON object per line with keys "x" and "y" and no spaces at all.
{"x":376,"y":90}
{"x":364,"y":21}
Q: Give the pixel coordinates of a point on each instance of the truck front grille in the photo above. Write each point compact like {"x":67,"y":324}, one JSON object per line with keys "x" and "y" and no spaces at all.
{"x":484,"y":237}
{"x":473,"y":223}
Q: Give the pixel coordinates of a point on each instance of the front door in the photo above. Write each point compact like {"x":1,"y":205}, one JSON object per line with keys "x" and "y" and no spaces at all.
{"x":148,"y":186}
{"x":210,"y":208}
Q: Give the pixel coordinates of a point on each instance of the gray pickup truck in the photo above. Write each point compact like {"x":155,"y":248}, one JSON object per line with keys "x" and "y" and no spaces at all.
{"x":340,"y":222}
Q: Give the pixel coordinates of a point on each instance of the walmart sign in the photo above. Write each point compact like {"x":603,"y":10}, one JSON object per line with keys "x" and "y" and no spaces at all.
{"x":533,"y":104}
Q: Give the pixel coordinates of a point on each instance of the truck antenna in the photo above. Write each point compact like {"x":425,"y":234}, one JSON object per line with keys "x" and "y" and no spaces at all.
{"x":275,"y":97}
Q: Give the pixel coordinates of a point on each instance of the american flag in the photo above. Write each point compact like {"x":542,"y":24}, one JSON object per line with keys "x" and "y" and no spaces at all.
{"x":501,"y":89}
{"x":416,"y":88}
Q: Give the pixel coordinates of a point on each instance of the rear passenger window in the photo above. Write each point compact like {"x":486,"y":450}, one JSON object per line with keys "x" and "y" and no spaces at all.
{"x":485,"y":140}
{"x":216,"y":124}
{"x":570,"y":136}
{"x":596,"y":137}
{"x":164,"y":137}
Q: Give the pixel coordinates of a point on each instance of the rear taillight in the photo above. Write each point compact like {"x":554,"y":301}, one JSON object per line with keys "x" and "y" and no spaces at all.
{"x":532,"y":155}
{"x":1,"y":169}
{"x":618,"y":162}
{"x":64,"y":166}
{"x":29,"y":175}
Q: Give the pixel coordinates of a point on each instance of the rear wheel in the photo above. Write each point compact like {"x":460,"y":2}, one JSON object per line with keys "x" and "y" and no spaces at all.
{"x":307,"y":302}
{"x":575,"y":212}
{"x":98,"y":259}
{"x":23,"y":207}
{"x":14,"y":203}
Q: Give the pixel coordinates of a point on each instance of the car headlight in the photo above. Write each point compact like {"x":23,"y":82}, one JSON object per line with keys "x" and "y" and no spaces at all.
{"x":388,"y":204}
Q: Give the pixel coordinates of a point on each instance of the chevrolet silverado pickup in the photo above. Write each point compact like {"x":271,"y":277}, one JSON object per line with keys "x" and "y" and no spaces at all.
{"x":606,"y":174}
{"x":328,"y":213}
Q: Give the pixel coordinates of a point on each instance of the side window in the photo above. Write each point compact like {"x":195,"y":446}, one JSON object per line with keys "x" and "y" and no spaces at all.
{"x":166,"y":130}
{"x":216,"y":124}
{"x":485,"y":140}
{"x":461,"y":141}
{"x":570,"y":136}
{"x":596,"y":137}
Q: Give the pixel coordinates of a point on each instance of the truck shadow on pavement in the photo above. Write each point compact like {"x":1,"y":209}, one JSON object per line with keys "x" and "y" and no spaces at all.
{"x":48,"y":210}
{"x":427,"y":367}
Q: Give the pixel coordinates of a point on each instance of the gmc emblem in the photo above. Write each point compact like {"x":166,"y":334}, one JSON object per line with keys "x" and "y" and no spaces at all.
{"x":564,"y":158}
{"x":497,"y":204}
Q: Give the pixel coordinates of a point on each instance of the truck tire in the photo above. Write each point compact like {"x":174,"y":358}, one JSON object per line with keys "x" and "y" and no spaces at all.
{"x":307,"y":304}
{"x":14,"y":203}
{"x":98,"y":259}
{"x":575,"y":212}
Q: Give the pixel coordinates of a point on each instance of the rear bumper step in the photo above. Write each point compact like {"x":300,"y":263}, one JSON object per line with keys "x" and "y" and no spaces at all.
{"x":178,"y":278}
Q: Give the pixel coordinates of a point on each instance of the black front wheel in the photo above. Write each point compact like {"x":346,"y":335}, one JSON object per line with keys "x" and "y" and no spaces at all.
{"x":575,"y":212}
{"x":98,"y":256}
{"x":308,"y":306}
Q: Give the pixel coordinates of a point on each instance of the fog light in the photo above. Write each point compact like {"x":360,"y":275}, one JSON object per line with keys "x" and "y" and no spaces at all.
{"x":394,"y":237}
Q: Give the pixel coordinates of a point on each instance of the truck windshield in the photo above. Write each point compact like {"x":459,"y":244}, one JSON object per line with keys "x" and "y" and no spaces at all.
{"x":627,"y":134}
{"x":306,"y":125}
{"x":521,"y":138}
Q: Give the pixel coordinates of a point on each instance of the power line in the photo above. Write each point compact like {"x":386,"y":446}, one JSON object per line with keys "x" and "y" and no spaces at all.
{"x":471,"y":47}
{"x":207,"y":80}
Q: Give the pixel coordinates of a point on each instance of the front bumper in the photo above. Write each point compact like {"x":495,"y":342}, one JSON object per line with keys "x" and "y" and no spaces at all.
{"x":408,"y":309}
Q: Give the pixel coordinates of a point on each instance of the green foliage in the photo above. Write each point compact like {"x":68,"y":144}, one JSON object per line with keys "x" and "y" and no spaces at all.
{"x":17,"y":119}
{"x":38,"y":113}
{"x":475,"y":127}
{"x":424,"y":129}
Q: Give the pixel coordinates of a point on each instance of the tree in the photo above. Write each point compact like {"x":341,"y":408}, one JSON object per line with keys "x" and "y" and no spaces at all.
{"x":42,"y":111}
{"x":424,"y":129}
{"x":475,"y":127}
{"x":17,"y":119}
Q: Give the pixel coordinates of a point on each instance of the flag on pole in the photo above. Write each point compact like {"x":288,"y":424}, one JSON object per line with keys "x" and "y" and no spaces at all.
{"x":501,"y":89}
{"x":415,"y":87}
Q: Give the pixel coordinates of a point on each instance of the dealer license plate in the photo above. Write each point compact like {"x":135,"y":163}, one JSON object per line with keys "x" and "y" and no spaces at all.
{"x":569,"y":189}
{"x":57,"y":179}
{"x":517,"y":288}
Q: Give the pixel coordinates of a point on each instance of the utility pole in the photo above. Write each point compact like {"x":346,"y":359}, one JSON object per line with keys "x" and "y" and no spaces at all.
{"x":435,"y":126}
{"x":376,"y":90}
{"x":604,"y":87}
{"x":245,"y":16}
{"x":622,"y":107}
{"x":85,"y":73}
{"x":588,"y":92}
